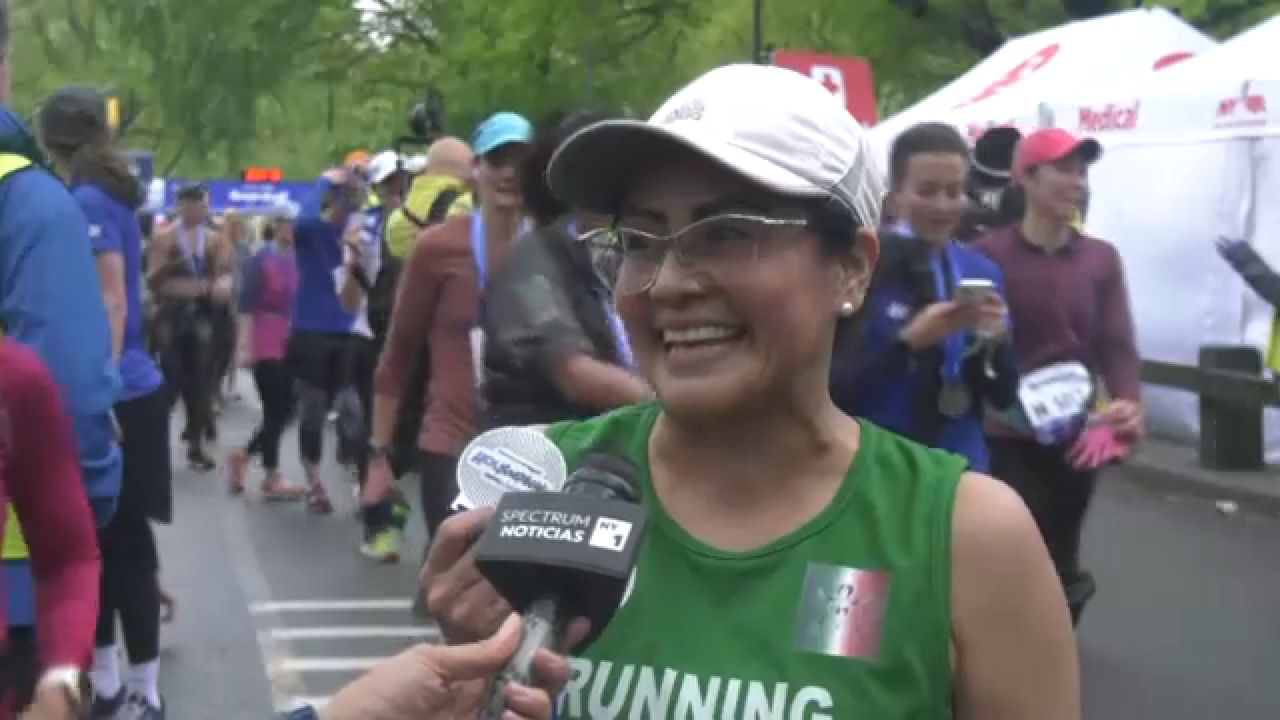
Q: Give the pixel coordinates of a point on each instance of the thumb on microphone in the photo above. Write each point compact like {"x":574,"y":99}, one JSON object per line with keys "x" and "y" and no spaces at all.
{"x":485,"y":658}
{"x":480,"y":659}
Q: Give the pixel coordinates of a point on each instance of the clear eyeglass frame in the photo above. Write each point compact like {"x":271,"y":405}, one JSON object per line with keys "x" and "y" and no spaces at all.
{"x":629,"y":259}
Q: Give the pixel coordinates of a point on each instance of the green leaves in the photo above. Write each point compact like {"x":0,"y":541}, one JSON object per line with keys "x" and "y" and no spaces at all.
{"x":219,"y":84}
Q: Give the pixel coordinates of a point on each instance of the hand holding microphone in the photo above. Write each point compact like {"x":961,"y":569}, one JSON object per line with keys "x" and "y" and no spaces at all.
{"x":564,"y":559}
{"x":465,"y":606}
{"x":433,"y":681}
{"x":561,"y":556}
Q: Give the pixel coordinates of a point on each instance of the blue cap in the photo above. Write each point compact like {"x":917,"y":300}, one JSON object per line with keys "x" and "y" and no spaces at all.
{"x":500,"y":129}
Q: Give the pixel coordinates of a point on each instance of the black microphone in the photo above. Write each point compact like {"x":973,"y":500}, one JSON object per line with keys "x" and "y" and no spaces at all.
{"x":558,"y":556}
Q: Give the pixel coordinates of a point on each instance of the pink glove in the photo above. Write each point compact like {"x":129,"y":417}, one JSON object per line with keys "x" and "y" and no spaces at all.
{"x":1097,"y":446}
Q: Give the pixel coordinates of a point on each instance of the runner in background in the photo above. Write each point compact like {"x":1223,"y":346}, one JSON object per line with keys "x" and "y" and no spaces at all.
{"x":190,"y":271}
{"x":554,"y":346}
{"x":267,"y":296}
{"x":73,"y":126}
{"x":362,"y":261}
{"x":936,"y":356}
{"x":439,"y":308}
{"x":320,"y":329}
{"x":1074,"y":346}
{"x":441,"y":189}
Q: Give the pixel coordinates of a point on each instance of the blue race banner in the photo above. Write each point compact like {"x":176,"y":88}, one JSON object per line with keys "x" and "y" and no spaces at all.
{"x":246,"y":198}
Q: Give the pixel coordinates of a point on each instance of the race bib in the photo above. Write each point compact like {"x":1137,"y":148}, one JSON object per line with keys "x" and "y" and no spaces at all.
{"x":1056,"y":400}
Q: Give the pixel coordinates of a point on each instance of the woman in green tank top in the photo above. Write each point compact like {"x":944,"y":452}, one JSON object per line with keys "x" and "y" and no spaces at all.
{"x":800,"y":564}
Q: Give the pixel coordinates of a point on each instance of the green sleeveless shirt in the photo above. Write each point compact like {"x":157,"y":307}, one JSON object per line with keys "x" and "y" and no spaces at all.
{"x":847,"y":617}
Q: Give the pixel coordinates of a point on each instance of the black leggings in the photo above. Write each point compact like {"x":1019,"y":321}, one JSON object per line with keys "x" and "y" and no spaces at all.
{"x":438,"y":488}
{"x":326,"y":366}
{"x":275,"y":389}
{"x":130,"y":587}
{"x":1057,"y":494}
{"x":189,"y":368}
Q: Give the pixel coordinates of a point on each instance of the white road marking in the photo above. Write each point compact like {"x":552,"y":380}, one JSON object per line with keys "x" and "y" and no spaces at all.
{"x":337,"y":605}
{"x":329,"y":664}
{"x":355,"y":631}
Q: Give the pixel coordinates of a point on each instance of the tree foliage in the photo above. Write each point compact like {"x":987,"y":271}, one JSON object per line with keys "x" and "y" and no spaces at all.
{"x":216,"y":85}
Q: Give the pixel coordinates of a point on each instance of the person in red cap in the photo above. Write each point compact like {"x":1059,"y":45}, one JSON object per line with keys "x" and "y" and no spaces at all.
{"x":1074,"y":347}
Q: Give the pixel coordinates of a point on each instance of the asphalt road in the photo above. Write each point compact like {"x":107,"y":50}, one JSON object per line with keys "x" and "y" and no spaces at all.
{"x":277,"y":607}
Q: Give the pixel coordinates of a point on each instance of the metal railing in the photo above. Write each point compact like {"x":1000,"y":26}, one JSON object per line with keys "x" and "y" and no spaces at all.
{"x":1231,"y":386}
{"x":1233,"y":394}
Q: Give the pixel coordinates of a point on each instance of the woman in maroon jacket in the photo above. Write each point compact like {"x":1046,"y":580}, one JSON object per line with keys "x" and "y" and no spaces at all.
{"x":40,"y":474}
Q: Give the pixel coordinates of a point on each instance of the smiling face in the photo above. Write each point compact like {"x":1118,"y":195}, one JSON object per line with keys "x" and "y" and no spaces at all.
{"x":932,"y":198}
{"x":743,"y":313}
{"x":1057,"y":189}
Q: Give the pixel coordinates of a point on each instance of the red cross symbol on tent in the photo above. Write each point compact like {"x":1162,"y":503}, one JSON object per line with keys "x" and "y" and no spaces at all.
{"x":831,"y":78}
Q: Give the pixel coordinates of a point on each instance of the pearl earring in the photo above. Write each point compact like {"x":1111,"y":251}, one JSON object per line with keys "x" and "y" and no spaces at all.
{"x":846,"y":309}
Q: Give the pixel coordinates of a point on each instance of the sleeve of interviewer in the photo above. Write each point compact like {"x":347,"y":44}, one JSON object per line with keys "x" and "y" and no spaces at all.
{"x":416,"y":299}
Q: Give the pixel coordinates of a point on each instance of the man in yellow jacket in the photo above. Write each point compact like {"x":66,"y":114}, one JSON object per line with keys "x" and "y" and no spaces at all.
{"x":447,"y":181}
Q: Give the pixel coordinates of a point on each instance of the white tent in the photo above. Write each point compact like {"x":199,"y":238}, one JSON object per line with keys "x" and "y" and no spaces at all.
{"x":1008,"y":87}
{"x":1192,"y":153}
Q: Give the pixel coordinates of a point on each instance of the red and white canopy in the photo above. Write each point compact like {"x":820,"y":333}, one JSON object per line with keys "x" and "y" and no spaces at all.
{"x":1232,"y":90}
{"x":1010,"y":86}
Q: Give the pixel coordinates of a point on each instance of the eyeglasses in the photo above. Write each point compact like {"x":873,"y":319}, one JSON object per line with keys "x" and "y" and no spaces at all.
{"x":629,"y":259}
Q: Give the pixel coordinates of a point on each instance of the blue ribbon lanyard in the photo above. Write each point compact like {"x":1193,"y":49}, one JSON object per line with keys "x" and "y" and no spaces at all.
{"x":195,"y":260}
{"x":478,"y":250}
{"x":953,"y":345}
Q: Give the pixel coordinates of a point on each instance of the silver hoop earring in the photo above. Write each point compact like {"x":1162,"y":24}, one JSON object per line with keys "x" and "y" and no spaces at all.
{"x":846,"y":309}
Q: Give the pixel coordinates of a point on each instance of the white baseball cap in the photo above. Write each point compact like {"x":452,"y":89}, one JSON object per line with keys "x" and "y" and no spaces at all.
{"x":415,"y":164}
{"x":382,"y":165}
{"x":773,"y":126}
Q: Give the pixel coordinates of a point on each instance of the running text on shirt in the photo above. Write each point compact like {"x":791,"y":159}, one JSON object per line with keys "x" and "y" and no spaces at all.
{"x":605,"y":690}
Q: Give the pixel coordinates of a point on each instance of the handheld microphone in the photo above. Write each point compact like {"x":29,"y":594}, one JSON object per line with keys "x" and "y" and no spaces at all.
{"x":505,"y":459}
{"x":555,"y":556}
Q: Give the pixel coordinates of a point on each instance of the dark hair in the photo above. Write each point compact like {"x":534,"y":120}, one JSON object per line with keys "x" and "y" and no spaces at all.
{"x":919,"y":139}
{"x":834,"y":224}
{"x":837,"y":231}
{"x":98,"y":163}
{"x":73,"y":127}
{"x":550,"y":135}
{"x":191,"y":192}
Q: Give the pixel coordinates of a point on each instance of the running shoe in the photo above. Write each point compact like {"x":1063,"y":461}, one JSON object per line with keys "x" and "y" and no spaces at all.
{"x":108,"y":708}
{"x":384,"y":546}
{"x":140,"y":709}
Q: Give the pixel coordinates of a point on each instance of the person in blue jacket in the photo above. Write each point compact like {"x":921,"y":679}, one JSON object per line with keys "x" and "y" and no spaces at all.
{"x":51,"y":302}
{"x":927,"y":358}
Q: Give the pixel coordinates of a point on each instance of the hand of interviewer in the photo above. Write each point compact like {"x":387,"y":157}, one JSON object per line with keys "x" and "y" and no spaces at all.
{"x":447,"y":682}
{"x":462,"y":602}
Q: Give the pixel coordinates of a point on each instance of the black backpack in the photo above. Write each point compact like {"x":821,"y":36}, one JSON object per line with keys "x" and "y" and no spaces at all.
{"x":382,"y":295}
